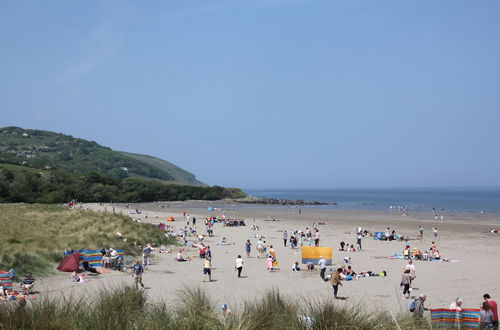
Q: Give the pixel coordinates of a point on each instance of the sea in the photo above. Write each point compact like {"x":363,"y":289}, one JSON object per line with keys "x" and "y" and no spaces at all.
{"x":437,"y":200}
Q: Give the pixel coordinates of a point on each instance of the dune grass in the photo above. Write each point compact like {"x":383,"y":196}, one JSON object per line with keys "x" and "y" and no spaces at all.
{"x":126,"y":308}
{"x":34,"y":237}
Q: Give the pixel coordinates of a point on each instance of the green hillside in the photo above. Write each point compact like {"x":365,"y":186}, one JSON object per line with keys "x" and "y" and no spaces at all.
{"x":182,"y":176}
{"x":48,"y":150}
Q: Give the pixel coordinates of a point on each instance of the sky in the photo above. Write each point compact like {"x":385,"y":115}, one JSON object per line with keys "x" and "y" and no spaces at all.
{"x":266,"y":93}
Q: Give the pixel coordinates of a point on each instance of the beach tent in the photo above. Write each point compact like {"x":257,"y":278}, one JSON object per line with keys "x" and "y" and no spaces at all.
{"x":313,"y":254}
{"x":70,"y":263}
{"x":170,"y":218}
{"x":445,"y":318}
{"x":6,"y":279}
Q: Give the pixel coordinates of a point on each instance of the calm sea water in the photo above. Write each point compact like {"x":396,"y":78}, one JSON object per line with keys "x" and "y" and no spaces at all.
{"x":449,"y":199}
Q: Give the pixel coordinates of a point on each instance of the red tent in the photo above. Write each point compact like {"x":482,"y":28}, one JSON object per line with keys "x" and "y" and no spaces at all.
{"x":70,"y":263}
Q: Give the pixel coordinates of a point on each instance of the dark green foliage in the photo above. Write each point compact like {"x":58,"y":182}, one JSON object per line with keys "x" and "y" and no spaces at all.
{"x":21,"y":184}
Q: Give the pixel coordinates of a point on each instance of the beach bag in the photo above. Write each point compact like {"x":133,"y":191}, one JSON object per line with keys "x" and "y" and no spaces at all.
{"x":412,"y":306}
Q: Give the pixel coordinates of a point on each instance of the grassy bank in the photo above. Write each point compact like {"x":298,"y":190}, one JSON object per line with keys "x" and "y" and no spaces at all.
{"x":33,"y":237}
{"x":126,"y":308}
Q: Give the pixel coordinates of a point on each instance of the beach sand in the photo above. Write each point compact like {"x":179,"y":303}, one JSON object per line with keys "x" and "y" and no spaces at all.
{"x":465,"y":237}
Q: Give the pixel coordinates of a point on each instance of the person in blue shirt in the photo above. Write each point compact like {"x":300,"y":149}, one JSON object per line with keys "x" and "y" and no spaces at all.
{"x":137,"y":271}
{"x":145,"y":254}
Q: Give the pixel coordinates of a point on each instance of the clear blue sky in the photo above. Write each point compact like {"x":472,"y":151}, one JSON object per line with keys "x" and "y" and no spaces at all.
{"x":267,"y":93}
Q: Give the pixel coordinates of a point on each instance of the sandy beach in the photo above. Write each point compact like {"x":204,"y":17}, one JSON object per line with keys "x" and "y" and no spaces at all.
{"x":464,"y":237}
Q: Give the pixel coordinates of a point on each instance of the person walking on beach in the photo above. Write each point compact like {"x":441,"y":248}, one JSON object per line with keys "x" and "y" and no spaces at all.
{"x":322,"y":267}
{"x":359,"y":236}
{"x":146,"y":253}
{"x":435,"y":232}
{"x":208,"y":253}
{"x":335,"y":281}
{"x":260,"y":248}
{"x":239,"y":265}
{"x":272,"y":253}
{"x":248,"y":247}
{"x":406,"y":280}
{"x":316,"y":238}
{"x":285,"y":237}
{"x":138,"y":269}
{"x":410,"y":266}
{"x":493,"y":306}
{"x":420,"y":233}
{"x":207,"y":269}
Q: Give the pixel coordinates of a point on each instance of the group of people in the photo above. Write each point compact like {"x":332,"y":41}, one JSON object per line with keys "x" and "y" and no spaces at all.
{"x":26,"y":286}
{"x":431,"y":254}
{"x":488,"y":314}
{"x":299,"y":238}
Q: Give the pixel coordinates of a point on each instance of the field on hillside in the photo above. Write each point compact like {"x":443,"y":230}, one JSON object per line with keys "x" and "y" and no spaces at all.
{"x":33,"y":237}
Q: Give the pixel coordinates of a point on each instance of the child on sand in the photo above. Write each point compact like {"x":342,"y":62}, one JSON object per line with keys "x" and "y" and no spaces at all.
{"x":138,"y":269}
{"x":269,"y":263}
{"x":207,"y":269}
{"x":239,"y":265}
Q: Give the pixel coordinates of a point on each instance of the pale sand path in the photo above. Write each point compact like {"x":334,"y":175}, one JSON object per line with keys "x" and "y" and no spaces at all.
{"x":462,"y":236}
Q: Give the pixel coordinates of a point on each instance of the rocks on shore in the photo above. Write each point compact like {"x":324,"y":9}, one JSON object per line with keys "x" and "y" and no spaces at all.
{"x":276,"y":201}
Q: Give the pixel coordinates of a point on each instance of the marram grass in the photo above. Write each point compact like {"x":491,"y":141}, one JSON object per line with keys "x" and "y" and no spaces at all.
{"x":126,"y":308}
{"x":34,"y":237}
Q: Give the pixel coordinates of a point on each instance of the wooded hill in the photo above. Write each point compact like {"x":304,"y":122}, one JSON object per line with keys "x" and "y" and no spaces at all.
{"x":45,"y":167}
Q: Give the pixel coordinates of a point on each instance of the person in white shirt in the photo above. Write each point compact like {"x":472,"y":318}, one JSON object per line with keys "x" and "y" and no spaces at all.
{"x":322,"y":267}
{"x":260,"y":248}
{"x":411,"y":267}
{"x":316,"y":238}
{"x":457,"y":304}
{"x":296,"y":267}
{"x":239,"y":265}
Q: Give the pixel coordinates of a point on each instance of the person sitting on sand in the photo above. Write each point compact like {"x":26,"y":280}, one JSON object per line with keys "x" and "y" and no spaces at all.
{"x":4,"y":294}
{"x":180,"y":257}
{"x":296,"y":267}
{"x":352,"y":249}
{"x":106,"y":260}
{"x":349,"y":271}
{"x":436,"y":255}
{"x":27,"y":284}
{"x":74,"y":276}
{"x":342,"y":246}
{"x":406,"y":252}
{"x":416,"y":254}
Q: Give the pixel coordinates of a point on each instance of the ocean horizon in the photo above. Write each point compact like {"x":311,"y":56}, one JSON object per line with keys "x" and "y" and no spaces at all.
{"x":437,"y":200}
